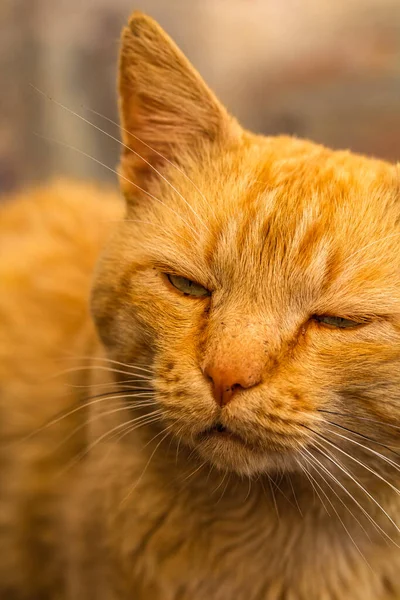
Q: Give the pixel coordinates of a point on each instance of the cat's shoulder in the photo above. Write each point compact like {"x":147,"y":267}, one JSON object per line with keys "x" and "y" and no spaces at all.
{"x":50,"y":240}
{"x":64,"y":221}
{"x":60,"y":206}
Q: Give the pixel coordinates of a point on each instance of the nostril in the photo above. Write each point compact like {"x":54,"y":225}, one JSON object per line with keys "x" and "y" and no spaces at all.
{"x":236,"y":386}
{"x":226,"y":381}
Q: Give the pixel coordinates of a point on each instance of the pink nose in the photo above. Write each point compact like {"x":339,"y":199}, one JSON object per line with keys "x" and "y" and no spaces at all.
{"x":227,"y":381}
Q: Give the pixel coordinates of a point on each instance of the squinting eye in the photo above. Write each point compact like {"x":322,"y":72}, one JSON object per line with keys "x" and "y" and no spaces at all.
{"x":187,"y":286}
{"x":339,"y":322}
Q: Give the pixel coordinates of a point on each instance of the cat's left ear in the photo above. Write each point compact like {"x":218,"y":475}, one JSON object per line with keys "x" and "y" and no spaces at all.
{"x":167,"y":111}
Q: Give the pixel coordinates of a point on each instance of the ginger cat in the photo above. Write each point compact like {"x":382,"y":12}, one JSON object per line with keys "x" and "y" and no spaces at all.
{"x":233,"y":432}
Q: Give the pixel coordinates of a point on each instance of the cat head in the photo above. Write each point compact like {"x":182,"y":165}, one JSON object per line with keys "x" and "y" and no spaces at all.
{"x":258,"y":277}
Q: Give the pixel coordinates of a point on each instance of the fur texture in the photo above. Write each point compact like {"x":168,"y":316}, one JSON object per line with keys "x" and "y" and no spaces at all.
{"x":122,"y":476}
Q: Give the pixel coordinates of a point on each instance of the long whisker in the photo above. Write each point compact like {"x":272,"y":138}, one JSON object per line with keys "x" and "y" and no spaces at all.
{"x":97,"y":399}
{"x":384,"y":458}
{"x":278,"y":488}
{"x":90,"y":367}
{"x":336,"y":480}
{"x":316,"y":482}
{"x":79,"y":151}
{"x":358,"y":461}
{"x":194,"y":472}
{"x":322,"y":450}
{"x":357,"y":417}
{"x":130,"y":391}
{"x":363,"y":436}
{"x":126,"y":383}
{"x":294,"y":495}
{"x":75,"y":114}
{"x":312,"y":482}
{"x":315,"y":465}
{"x":220,"y":483}
{"x":387,"y":237}
{"x":104,"y":414}
{"x":177,"y":434}
{"x":338,"y":516}
{"x":110,"y":360}
{"x":224,"y":490}
{"x":273,"y":496}
{"x":131,"y":490}
{"x":155,"y":151}
{"x":131,"y":428}
{"x":142,"y":419}
{"x":305,"y":471}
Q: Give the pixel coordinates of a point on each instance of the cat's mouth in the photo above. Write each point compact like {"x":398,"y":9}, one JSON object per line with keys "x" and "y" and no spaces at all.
{"x":220,"y":432}
{"x":229,"y":449}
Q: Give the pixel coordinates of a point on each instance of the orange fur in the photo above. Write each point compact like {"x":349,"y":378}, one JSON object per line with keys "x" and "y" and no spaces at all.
{"x":279,"y":231}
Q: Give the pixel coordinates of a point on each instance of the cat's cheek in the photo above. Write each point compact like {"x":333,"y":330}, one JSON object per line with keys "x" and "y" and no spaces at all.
{"x":358,"y":371}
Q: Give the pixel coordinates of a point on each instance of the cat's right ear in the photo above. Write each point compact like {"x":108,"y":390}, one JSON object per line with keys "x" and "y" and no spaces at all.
{"x":167,"y":111}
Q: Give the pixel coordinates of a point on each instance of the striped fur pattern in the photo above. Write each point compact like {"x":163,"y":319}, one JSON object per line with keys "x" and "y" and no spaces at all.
{"x":132,"y":494}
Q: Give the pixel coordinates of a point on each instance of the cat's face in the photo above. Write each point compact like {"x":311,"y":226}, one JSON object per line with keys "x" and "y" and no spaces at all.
{"x":258,"y":277}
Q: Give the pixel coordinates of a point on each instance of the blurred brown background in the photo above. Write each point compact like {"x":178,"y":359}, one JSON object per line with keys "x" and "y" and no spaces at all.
{"x":324,"y":69}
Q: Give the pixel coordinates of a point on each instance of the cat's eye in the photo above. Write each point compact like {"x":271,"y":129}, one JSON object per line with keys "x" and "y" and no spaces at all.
{"x":338,"y":322}
{"x":188,"y":287}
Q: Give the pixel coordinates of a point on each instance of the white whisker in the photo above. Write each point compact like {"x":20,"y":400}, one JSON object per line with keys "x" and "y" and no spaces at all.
{"x":130,"y":429}
{"x":98,"y":367}
{"x":99,"y":162}
{"x":99,"y":400}
{"x":131,"y":490}
{"x":359,"y":462}
{"x":142,"y":419}
{"x":78,"y":116}
{"x":358,"y":418}
{"x":125,"y":384}
{"x":348,"y":474}
{"x":315,"y":465}
{"x":156,"y":152}
{"x":387,"y":237}
{"x":378,"y":454}
{"x":104,"y":414}
{"x":224,"y":490}
{"x":340,"y":519}
{"x":312,"y":482}
{"x":221,"y":482}
{"x":110,"y":360}
{"x":294,"y":494}
{"x":194,"y":472}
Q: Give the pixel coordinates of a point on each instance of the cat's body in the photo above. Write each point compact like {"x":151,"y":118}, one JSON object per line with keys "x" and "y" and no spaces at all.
{"x":50,"y":241}
{"x":261,"y":460}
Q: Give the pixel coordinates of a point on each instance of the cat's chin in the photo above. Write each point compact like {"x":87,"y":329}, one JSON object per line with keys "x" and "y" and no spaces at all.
{"x":228,"y":451}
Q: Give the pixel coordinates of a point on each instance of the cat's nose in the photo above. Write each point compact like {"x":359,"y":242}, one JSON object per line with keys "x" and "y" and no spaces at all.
{"x":227,"y":381}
